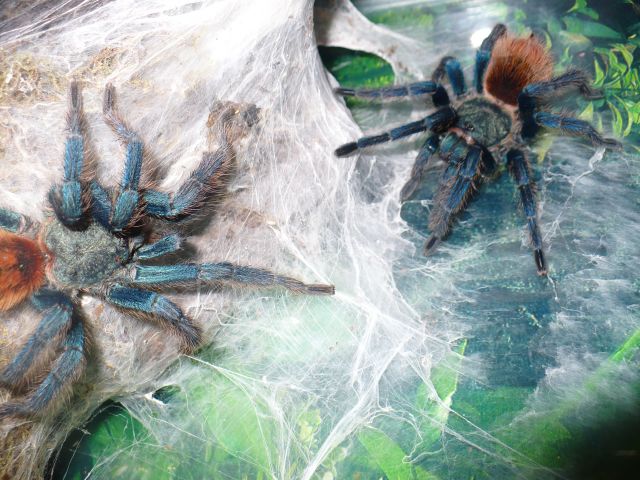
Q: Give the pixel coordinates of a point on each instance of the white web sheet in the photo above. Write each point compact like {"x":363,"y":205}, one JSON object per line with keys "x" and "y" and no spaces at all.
{"x":314,"y":371}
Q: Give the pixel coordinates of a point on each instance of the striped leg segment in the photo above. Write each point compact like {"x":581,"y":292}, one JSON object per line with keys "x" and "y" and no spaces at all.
{"x":436,"y":122}
{"x":451,"y":67}
{"x":209,"y":178}
{"x":456,"y":186}
{"x":420,"y":165}
{"x":577,"y":128}
{"x":66,"y":199}
{"x":483,"y":55}
{"x":156,"y":307}
{"x":60,"y":321}
{"x":396,"y":92}
{"x":127,"y":199}
{"x":518,"y":166}
{"x":190,"y":273}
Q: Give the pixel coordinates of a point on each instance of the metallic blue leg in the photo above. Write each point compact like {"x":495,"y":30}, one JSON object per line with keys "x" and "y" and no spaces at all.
{"x":436,"y":122}
{"x":157,"y":308}
{"x":127,"y":200}
{"x":530,"y":97}
{"x":58,"y":311}
{"x":437,"y":92}
{"x":574,"y":127}
{"x":190,"y":273}
{"x":13,"y":222}
{"x":67,"y":367}
{"x":66,"y":199}
{"x":483,"y":55}
{"x":164,"y":246}
{"x":101,"y":206}
{"x":451,"y":67}
{"x":206,"y":180}
{"x":419,"y":167}
{"x":519,"y":168}
{"x":455,"y":188}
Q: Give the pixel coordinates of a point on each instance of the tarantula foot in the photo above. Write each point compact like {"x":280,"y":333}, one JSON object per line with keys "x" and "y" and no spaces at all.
{"x":320,"y":289}
{"x":345,"y":92}
{"x":540,"y":263}
{"x":431,"y":245}
{"x":346,"y":149}
{"x":612,"y":144}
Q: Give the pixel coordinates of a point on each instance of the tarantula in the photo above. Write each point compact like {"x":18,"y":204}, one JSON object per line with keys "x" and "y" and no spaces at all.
{"x":498,"y":120}
{"x":96,"y":242}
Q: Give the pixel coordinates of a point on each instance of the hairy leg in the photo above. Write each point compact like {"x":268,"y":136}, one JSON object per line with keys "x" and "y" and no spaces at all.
{"x":66,"y":199}
{"x":438,"y":93}
{"x":575,"y":127}
{"x":209,"y":178}
{"x":451,"y":67}
{"x":14,"y":222}
{"x":128,"y":197}
{"x":427,"y":150}
{"x":64,"y":372}
{"x":519,"y":168}
{"x":156,"y":307}
{"x":455,"y":188}
{"x":436,"y":122}
{"x":191,"y":273}
{"x":483,"y":55}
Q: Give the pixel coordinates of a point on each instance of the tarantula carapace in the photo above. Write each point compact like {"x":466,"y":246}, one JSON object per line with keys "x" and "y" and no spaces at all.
{"x":496,"y":121}
{"x":97,"y":241}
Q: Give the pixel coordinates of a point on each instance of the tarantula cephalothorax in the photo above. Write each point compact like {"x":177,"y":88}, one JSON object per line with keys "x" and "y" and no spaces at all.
{"x":499,"y":119}
{"x":97,"y":244}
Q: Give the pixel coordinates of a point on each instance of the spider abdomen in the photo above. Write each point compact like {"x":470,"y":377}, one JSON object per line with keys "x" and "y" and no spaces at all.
{"x":21,"y":269}
{"x":484,"y":121}
{"x":82,"y":258}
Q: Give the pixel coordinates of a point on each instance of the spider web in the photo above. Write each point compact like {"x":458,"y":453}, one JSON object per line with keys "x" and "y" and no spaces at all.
{"x":293,"y":386}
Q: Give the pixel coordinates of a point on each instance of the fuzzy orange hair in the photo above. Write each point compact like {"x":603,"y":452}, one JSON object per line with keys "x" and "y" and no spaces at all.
{"x":516,"y":62}
{"x":22,"y":267}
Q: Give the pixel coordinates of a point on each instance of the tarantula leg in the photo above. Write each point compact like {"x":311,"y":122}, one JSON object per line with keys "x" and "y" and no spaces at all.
{"x":438,"y":93}
{"x":573,"y":126}
{"x":419,"y":167}
{"x":65,"y":370}
{"x":451,"y":66}
{"x":519,"y":168}
{"x":455,"y":188}
{"x":14,"y":222}
{"x":188,"y":273}
{"x":58,"y":312}
{"x":66,"y":199}
{"x":436,"y":122}
{"x":153,"y":306}
{"x":208,"y":179}
{"x":127,"y":200}
{"x":101,"y":206}
{"x":483,"y":55}
{"x":164,"y":246}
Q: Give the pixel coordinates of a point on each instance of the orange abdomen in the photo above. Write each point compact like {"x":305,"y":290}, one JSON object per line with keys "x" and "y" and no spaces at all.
{"x":515,"y":63}
{"x":22,"y":269}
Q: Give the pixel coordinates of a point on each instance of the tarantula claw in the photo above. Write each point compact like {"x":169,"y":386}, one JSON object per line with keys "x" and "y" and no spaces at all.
{"x":540,"y":263}
{"x":320,"y":289}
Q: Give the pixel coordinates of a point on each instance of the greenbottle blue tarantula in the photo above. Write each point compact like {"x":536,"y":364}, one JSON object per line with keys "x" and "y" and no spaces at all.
{"x":498,"y":120}
{"x":96,"y":242}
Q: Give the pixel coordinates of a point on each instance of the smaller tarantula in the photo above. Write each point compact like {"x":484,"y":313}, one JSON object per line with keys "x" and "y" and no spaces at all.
{"x":497,"y":120}
{"x":97,"y":243}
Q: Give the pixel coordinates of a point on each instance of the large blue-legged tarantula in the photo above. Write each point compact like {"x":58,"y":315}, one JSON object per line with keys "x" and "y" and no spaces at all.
{"x":96,"y":241}
{"x":513,"y":79}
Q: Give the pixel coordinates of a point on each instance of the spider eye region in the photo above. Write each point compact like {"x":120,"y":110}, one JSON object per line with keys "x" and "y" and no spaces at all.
{"x":22,"y":269}
{"x":483,"y":120}
{"x":83,"y":258}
